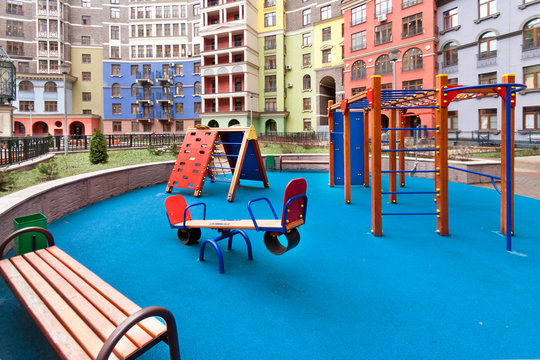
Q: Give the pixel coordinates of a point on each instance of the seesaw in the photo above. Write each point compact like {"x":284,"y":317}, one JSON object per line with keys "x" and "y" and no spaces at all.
{"x":292,"y":217}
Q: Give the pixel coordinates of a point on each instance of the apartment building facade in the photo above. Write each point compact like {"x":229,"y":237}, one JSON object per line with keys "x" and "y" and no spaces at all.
{"x":482,"y":40}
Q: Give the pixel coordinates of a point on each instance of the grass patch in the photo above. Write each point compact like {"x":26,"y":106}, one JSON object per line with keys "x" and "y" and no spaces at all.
{"x":78,"y":163}
{"x":273,"y":148}
{"x":497,"y":154}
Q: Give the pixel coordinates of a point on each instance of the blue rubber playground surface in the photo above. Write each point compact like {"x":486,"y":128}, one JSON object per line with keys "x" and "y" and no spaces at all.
{"x":341,"y":294}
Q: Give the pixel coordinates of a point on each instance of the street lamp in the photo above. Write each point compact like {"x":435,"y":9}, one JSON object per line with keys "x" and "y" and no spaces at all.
{"x":64,"y":68}
{"x":393,"y":55}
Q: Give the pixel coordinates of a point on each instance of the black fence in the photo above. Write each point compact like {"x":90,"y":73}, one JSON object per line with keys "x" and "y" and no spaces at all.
{"x":524,"y":139}
{"x":15,"y":150}
{"x":120,"y":141}
{"x":294,"y":137}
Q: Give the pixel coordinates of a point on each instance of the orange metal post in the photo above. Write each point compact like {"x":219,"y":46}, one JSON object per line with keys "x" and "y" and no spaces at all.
{"x":366,"y":148}
{"x":508,"y":78}
{"x":376,"y":189}
{"x":392,"y":155}
{"x":441,"y":156}
{"x":347,"y":153}
{"x":330,"y":143}
{"x":401,"y":123}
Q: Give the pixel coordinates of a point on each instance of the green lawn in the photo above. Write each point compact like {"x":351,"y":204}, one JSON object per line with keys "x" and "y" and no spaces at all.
{"x":497,"y":154}
{"x":272,"y":148}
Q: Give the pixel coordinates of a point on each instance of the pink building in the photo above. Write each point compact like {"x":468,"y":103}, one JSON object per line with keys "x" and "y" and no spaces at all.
{"x":375,"y":27}
{"x":41,"y":125}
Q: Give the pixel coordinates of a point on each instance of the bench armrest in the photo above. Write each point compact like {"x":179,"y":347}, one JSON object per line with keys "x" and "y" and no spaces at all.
{"x":251,"y":212}
{"x":14,"y":235}
{"x":134,"y":319}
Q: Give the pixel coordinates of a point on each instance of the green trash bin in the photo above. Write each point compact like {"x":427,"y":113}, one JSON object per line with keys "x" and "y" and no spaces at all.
{"x":25,"y":242}
{"x":270,"y":162}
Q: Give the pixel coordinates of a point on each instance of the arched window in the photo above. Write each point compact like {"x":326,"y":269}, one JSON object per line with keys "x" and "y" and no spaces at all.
{"x":134,"y":90}
{"x":358,"y":70}
{"x":531,"y":34}
{"x":487,"y":45}
{"x":450,"y":54}
{"x":178,"y":89}
{"x":234,"y":122}
{"x":50,"y":87}
{"x":213,"y":123}
{"x":116,"y":91}
{"x":412,"y":59}
{"x":383,"y":65}
{"x":197,"y":88}
{"x":306,"y":82}
{"x":26,"y":86}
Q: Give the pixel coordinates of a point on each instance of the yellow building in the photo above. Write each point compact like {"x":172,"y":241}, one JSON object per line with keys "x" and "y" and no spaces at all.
{"x":87,"y":67}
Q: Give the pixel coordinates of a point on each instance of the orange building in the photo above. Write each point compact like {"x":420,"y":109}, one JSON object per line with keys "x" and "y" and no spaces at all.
{"x":374,"y":28}
{"x":41,"y":125}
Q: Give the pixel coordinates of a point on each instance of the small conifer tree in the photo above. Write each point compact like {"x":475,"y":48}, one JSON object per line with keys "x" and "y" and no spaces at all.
{"x":98,"y":148}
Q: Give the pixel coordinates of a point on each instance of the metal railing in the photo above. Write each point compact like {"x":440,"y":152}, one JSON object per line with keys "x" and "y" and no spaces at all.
{"x":14,"y":150}
{"x":82,"y":142}
{"x":522,"y":138}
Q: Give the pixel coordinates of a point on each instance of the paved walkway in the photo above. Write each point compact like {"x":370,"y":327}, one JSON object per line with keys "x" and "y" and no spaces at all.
{"x":526,"y":176}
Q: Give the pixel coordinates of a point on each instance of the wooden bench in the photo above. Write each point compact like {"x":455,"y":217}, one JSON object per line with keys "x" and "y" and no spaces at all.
{"x":81,"y":315}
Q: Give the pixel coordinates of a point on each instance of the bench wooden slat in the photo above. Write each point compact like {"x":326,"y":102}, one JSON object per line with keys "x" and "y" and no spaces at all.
{"x":151,"y":325}
{"x":136,"y":334}
{"x":84,"y":335}
{"x":60,"y":339}
{"x":95,"y":319}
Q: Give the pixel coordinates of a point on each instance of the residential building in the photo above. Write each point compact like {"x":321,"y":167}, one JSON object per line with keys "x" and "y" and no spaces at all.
{"x":481,"y":40}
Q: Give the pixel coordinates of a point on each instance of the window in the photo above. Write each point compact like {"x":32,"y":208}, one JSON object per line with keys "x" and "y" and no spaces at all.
{"x":134,"y":90}
{"x":134,"y":109}
{"x":86,"y":3}
{"x":358,"y":15}
{"x":149,"y":51}
{"x":306,"y":17}
{"x":85,"y":20}
{"x":358,"y":90}
{"x":487,"y":78}
{"x":488,"y":119}
{"x":270,"y":104}
{"x":531,"y":76}
{"x":197,"y":67}
{"x":115,"y":33}
{"x":383,"y":65}
{"x":358,"y":41}
{"x":486,"y":8}
{"x":196,"y":9}
{"x":26,"y":86}
{"x":23,"y":67}
{"x":179,"y":89}
{"x":196,"y":29}
{"x":115,"y":13}
{"x":412,"y":25}
{"x":270,"y":83}
{"x":115,"y":70}
{"x":86,"y":58}
{"x":450,"y":18}
{"x":409,"y":3}
{"x":116,"y":109}
{"x":269,"y":3}
{"x":326,"y":56}
{"x":306,"y":39}
{"x":358,"y":70}
{"x":383,"y":7}
{"x":269,"y":42}
{"x":197,"y":88}
{"x":326,"y":34}
{"x":383,"y":34}
{"x":86,"y":96}
{"x":14,"y":28}
{"x":306,"y":104}
{"x":15,"y":48}
{"x":14,"y":8}
{"x":487,"y":45}
{"x":307,"y":124}
{"x":450,"y":54}
{"x":116,"y":91}
{"x":197,"y":107}
{"x":306,"y":82}
{"x":50,"y":87}
{"x":115,"y":52}
{"x":270,"y":19}
{"x":51,"y":106}
{"x":134,"y":125}
{"x":412,"y":59}
{"x":134,"y":70}
{"x":178,"y":125}
{"x":86,"y":40}
{"x":452,"y":120}
{"x":117,"y":126}
{"x":531,"y":34}
{"x":26,"y":106}
{"x":178,"y":69}
{"x":453,"y":81}
{"x":270,"y":62}
{"x":326,"y":12}
{"x":179,"y":108}
{"x":306,"y":60}
{"x":43,"y":65}
{"x":531,"y":118}
{"x":412,"y":84}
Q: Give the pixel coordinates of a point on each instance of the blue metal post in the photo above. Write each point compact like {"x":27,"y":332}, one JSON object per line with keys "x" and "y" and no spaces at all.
{"x":509,"y":164}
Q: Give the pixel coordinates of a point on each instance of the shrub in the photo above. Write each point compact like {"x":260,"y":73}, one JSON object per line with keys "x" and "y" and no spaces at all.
{"x":49,"y":169}
{"x":98,"y":148}
{"x":174,"y":149}
{"x":157,"y":151}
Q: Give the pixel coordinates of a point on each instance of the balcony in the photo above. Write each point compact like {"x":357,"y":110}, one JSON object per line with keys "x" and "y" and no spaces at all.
{"x":164,"y":99}
{"x":146,"y":116}
{"x":145,"y":78}
{"x":146,"y":99}
{"x":164,"y":78}
{"x":164,"y":115}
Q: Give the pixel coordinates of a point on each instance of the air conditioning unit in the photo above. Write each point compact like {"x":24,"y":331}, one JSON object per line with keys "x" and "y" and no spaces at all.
{"x":289,"y":84}
{"x":288,"y":67}
{"x":381,"y":18}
